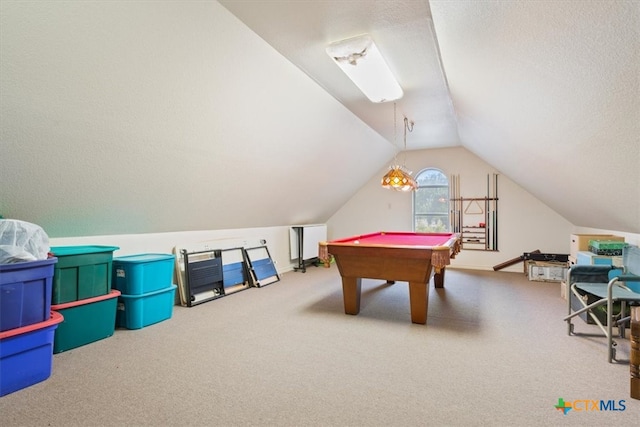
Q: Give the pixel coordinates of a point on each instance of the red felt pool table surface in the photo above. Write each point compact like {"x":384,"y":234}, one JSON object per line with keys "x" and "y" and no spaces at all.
{"x":399,"y":239}
{"x":392,"y":256}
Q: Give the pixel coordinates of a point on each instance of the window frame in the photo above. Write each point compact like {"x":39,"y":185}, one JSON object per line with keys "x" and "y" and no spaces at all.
{"x":447,"y":216}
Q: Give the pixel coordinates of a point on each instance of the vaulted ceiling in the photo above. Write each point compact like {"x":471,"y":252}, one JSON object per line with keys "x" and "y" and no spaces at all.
{"x":155,"y":116}
{"x":546,"y":92}
{"x":403,"y":31}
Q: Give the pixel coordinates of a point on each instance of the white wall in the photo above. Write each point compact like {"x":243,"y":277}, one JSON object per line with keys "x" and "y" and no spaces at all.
{"x":277,"y":240}
{"x":128,"y":117}
{"x":141,"y":121}
{"x":630,"y":238}
{"x":524,"y":223}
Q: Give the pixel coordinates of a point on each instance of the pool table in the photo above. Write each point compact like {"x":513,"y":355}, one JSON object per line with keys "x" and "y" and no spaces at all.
{"x":392,"y":256}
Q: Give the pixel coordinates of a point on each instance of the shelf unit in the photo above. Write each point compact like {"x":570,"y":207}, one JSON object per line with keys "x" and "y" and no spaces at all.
{"x":475,"y":218}
{"x":482,"y":235}
{"x":474,"y":235}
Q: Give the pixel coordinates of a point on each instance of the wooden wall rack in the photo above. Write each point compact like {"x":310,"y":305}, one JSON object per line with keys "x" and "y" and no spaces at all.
{"x":475,"y":218}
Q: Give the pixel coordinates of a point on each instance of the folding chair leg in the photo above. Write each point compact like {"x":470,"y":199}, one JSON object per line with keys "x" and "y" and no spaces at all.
{"x":610,"y":341}
{"x":612,"y":350}
{"x":607,"y":330}
{"x":621,"y":322}
{"x":584,"y":309}
{"x":568,"y":318}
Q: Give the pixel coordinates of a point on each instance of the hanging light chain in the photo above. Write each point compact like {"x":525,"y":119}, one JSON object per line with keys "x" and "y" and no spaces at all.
{"x":408,"y":126}
{"x":395,"y":134}
{"x":399,"y":177}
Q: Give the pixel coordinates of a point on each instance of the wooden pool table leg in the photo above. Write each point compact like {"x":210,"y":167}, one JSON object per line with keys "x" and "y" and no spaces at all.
{"x":419,"y":300}
{"x":351,"y":287}
{"x":438,"y":278}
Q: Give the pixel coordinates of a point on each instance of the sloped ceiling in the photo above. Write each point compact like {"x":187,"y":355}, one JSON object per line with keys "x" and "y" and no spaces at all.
{"x":546,"y":92}
{"x":549,"y":94}
{"x":402,"y":30}
{"x":151,"y":116}
{"x":157,"y":116}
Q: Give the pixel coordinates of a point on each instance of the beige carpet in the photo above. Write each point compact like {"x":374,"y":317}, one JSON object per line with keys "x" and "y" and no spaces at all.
{"x":494,"y":352}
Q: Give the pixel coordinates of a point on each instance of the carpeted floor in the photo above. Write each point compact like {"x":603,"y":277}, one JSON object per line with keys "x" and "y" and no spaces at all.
{"x":494,"y":352}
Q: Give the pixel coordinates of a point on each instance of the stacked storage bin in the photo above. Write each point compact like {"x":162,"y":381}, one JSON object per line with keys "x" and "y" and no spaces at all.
{"x":147,"y":290}
{"x":586,"y":250}
{"x":82,"y":294}
{"x":582,"y":244}
{"x":27,"y":325}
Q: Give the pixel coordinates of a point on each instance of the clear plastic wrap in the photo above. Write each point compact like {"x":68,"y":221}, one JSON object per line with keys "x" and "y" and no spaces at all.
{"x":22,"y":241}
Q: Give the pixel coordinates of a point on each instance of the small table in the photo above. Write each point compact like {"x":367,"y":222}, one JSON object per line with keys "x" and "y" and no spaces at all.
{"x":392,"y":256}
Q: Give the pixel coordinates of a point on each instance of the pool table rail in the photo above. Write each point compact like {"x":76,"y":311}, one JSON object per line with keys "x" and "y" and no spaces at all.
{"x":369,"y":257}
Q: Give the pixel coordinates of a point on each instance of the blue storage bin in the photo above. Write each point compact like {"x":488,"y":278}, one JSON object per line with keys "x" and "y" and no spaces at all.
{"x":26,"y":354}
{"x":138,"y":311}
{"x":142,"y":273}
{"x":25,"y":293}
{"x":589,"y":258}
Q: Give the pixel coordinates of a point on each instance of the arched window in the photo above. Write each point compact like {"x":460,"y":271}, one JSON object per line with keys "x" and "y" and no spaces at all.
{"x":431,"y":202}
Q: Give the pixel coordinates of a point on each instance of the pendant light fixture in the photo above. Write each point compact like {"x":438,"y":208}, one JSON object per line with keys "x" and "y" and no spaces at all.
{"x":399,"y":177}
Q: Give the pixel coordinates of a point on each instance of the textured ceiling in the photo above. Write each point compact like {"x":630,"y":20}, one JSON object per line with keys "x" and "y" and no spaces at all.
{"x":403,"y":31}
{"x":549,"y":94}
{"x":134,"y":117}
{"x":546,"y":92}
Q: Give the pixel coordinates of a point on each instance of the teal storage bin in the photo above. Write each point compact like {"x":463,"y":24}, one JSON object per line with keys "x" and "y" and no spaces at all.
{"x":142,"y":273}
{"x":85,"y":321}
{"x":81,"y":272}
{"x":589,"y":258}
{"x":138,"y":311}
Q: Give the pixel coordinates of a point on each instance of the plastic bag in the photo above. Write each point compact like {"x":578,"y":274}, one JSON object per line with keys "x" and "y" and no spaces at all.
{"x":21,"y":241}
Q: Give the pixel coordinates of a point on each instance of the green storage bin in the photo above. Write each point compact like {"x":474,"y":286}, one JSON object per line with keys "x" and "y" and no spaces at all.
{"x":85,"y":321}
{"x":606,"y":247}
{"x":607,"y":244}
{"x":81,"y":272}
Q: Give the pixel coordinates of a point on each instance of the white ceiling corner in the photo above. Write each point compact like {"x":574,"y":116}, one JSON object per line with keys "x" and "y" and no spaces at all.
{"x":402,"y":29}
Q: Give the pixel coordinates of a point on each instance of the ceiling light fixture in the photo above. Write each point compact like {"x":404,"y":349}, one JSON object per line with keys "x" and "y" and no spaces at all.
{"x":399,"y":177}
{"x":362,"y":62}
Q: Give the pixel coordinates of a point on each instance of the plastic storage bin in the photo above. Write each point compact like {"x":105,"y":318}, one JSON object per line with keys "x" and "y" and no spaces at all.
{"x":580,"y":242}
{"x":589,"y":258}
{"x":26,"y":354}
{"x":138,"y":311}
{"x":142,"y":273}
{"x":25,"y":293}
{"x":81,"y":272}
{"x":85,"y":321}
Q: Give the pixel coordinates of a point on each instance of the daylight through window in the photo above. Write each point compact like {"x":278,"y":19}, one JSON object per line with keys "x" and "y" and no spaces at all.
{"x":431,"y":202}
